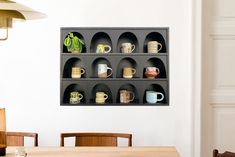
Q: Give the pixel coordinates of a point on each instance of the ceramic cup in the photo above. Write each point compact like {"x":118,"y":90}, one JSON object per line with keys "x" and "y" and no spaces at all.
{"x":77,"y":72}
{"x":101,"y":97}
{"x":101,"y":48}
{"x":126,"y":96}
{"x":154,"y":97}
{"x":75,"y":97}
{"x":154,"y":47}
{"x":127,"y":47}
{"x":103,"y":71}
{"x":151,"y":72}
{"x":128,"y":72}
{"x":20,"y":152}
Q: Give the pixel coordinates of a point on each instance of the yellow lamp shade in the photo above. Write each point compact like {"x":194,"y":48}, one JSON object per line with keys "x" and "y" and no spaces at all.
{"x":11,"y":11}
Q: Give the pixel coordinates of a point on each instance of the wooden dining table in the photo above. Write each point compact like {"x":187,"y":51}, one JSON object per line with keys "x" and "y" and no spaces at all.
{"x":96,"y":152}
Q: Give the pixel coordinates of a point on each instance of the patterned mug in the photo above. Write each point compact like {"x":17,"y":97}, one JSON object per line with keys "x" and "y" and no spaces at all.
{"x":75,"y":97}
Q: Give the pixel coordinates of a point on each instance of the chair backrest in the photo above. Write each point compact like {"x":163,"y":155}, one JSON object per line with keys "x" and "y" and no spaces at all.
{"x":17,"y":138}
{"x":225,"y":154}
{"x":96,"y":139}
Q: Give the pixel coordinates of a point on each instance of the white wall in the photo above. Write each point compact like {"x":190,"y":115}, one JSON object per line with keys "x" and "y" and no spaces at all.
{"x":30,"y":65}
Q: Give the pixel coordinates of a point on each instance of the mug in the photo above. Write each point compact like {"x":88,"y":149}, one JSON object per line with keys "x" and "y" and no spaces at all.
{"x":127,"y":47}
{"x":101,"y":97}
{"x":77,"y":72}
{"x":128,"y":72}
{"x":103,"y":71}
{"x":20,"y":152}
{"x":126,"y":96}
{"x":101,"y":48}
{"x":154,"y":47}
{"x":151,"y":72}
{"x":75,"y":97}
{"x":153,"y":97}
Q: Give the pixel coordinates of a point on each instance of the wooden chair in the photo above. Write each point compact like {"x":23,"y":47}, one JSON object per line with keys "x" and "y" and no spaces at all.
{"x":96,"y":139}
{"x":17,"y":138}
{"x":225,"y":154}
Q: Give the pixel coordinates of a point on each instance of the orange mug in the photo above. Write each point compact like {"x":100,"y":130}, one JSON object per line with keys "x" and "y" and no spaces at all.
{"x":128,"y":72}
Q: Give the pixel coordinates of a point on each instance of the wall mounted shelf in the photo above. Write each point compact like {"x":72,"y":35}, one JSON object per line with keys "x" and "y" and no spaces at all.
{"x":90,"y":83}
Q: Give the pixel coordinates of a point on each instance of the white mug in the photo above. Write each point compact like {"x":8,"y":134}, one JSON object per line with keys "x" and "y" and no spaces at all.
{"x":103,"y":71}
{"x":127,"y":47}
{"x":101,"y":48}
{"x":20,"y":152}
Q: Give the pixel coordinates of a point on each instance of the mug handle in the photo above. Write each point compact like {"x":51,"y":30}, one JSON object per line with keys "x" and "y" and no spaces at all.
{"x":160,"y":46}
{"x":158,"y":70}
{"x":108,"y":68}
{"x":133,"y":96}
{"x":106,"y":96}
{"x":83,"y":71}
{"x":161,"y":97}
{"x":133,"y":71}
{"x":109,"y":48}
{"x":132,"y":47}
{"x":80,"y":96}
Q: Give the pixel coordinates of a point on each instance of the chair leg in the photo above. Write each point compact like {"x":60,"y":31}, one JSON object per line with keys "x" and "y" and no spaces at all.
{"x":215,"y":152}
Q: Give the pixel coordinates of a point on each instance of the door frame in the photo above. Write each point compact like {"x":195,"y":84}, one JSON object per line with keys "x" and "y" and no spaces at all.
{"x":196,"y":73}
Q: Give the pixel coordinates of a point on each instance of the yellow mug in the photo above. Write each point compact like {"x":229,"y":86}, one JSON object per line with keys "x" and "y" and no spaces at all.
{"x":101,"y":97}
{"x":128,"y":72}
{"x":77,"y":72}
{"x":101,"y":48}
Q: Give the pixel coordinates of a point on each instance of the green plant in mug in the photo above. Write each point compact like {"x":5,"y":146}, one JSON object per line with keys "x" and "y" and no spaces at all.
{"x":73,"y":43}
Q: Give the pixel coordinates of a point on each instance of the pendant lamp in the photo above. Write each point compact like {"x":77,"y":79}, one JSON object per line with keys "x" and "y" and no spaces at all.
{"x":11,"y":11}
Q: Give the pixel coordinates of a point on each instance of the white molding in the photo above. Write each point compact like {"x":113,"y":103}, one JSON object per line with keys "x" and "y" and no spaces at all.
{"x":223,"y":18}
{"x":196,"y":76}
{"x":222,"y":96}
{"x":224,"y":105}
{"x":223,"y":35}
{"x":223,"y":26}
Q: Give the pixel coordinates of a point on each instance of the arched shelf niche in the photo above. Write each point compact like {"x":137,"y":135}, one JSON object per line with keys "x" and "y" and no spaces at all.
{"x":100,"y":38}
{"x":155,"y":36}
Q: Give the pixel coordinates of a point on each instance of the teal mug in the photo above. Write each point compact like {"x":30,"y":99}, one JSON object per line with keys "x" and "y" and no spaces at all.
{"x":154,"y":97}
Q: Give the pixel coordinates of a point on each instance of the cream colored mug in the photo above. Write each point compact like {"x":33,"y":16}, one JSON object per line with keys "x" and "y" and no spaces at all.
{"x":154,"y":47}
{"x":128,"y":72}
{"x":101,"y":97}
{"x":77,"y":72}
{"x":127,"y":47}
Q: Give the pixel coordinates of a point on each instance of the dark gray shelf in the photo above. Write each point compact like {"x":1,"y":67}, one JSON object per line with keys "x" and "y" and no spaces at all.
{"x":114,"y":54}
{"x":113,"y":79}
{"x":114,"y":104}
{"x":139,"y":59}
